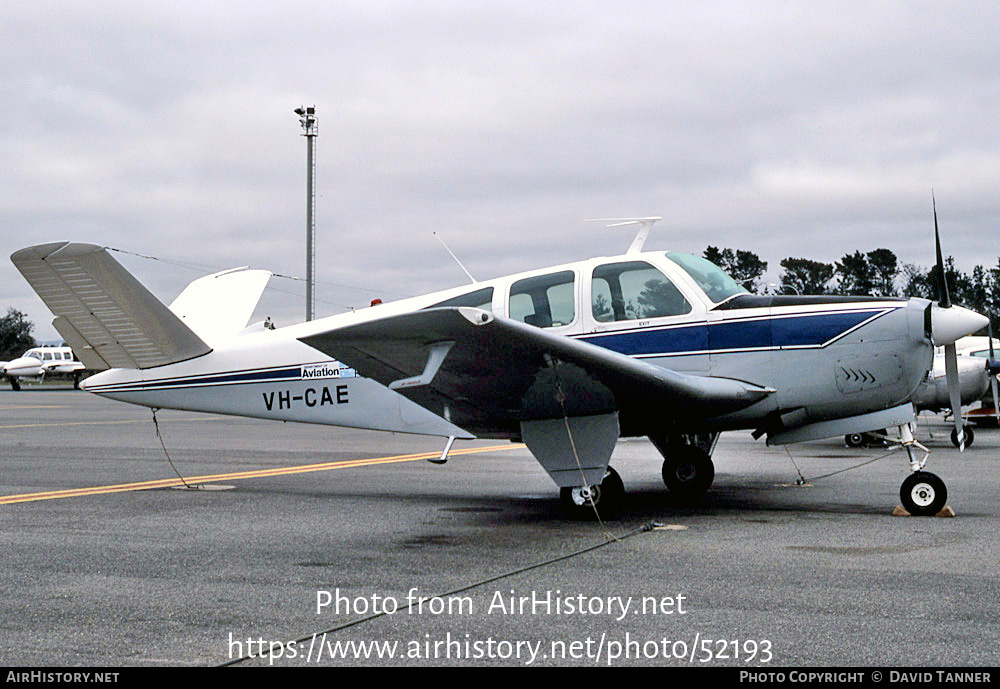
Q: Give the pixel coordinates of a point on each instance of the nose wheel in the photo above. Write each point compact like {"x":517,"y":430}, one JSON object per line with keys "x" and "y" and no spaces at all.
{"x":923,"y":494}
{"x":607,"y":496}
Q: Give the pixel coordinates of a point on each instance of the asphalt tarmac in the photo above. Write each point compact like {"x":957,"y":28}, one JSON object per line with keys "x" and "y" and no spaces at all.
{"x":302,"y":529}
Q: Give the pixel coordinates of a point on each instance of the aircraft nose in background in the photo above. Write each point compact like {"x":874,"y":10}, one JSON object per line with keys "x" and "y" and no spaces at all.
{"x":949,"y":324}
{"x":23,"y":366}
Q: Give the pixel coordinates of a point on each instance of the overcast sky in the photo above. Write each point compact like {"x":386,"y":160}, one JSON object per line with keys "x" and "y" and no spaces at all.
{"x":786,"y":128}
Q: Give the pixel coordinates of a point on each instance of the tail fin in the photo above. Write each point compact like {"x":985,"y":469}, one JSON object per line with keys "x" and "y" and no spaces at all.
{"x":107,"y":316}
{"x":218,"y":306}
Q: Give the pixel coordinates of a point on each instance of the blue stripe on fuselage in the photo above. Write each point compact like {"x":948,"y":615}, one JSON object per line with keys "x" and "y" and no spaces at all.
{"x":793,"y":330}
{"x":677,"y":340}
{"x":224,"y":378}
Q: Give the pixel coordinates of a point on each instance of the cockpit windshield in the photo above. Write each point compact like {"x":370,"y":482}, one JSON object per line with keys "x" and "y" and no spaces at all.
{"x":712,"y":280}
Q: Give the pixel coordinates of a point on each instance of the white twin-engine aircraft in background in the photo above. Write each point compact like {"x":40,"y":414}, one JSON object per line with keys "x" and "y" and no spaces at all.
{"x":566,"y":359}
{"x":41,"y":362}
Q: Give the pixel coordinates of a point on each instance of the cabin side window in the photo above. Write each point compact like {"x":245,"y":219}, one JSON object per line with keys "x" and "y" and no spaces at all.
{"x":632,"y":291}
{"x":545,"y":301}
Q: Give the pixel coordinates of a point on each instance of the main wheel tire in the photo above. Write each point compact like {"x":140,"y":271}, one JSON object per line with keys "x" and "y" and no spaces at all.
{"x":608,"y":496}
{"x":923,"y":494}
{"x":967,"y":432}
{"x":688,"y":472}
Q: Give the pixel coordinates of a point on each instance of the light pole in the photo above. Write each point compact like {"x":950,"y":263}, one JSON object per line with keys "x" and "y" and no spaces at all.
{"x":309,"y":122}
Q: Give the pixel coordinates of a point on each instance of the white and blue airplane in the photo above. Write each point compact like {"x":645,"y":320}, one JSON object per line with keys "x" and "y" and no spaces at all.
{"x":566,"y":359}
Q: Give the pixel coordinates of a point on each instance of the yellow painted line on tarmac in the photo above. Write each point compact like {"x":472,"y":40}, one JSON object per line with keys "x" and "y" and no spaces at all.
{"x":236,"y":476}
{"x":35,"y":406}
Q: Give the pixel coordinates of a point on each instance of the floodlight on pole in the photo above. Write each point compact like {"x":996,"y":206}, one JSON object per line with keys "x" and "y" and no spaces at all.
{"x":310,"y":123}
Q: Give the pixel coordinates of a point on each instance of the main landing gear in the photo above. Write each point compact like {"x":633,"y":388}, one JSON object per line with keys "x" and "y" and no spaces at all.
{"x":687,"y":470}
{"x":579,"y":501}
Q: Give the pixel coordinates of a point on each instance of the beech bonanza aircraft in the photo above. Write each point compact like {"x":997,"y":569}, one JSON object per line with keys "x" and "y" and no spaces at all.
{"x":566,"y":359}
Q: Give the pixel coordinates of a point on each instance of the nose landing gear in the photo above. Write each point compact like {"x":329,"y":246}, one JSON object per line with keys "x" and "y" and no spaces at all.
{"x":922,"y":493}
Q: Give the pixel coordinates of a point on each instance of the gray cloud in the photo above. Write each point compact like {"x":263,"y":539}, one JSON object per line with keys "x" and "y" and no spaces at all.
{"x":791,"y":129}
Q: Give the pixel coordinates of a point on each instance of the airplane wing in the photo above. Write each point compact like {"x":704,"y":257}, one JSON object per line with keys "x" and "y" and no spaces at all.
{"x":492,"y":372}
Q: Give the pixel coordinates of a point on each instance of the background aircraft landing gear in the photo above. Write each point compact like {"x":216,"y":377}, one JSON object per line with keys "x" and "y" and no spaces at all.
{"x":687,"y":470}
{"x":967,"y":432}
{"x":865,"y":439}
{"x":923,"y":494}
{"x":854,"y":439}
{"x":607,"y":496}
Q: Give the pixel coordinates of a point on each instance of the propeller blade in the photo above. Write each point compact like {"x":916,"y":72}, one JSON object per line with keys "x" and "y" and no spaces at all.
{"x":993,"y":377}
{"x":996,"y":401}
{"x":954,"y":391}
{"x":945,"y":298}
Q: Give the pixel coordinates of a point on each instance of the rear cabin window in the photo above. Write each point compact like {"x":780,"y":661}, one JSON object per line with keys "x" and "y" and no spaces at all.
{"x":545,"y":301}
{"x":634,"y":290}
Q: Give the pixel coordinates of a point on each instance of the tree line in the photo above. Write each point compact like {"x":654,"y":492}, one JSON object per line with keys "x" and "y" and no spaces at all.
{"x":876,"y":273}
{"x":15,"y":334}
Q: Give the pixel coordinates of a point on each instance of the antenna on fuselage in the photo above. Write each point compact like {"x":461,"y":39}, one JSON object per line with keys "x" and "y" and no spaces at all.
{"x":646,"y":224}
{"x":474,"y":280}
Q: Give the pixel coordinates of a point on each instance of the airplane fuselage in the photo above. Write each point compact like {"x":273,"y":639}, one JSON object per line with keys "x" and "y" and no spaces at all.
{"x":823,"y":357}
